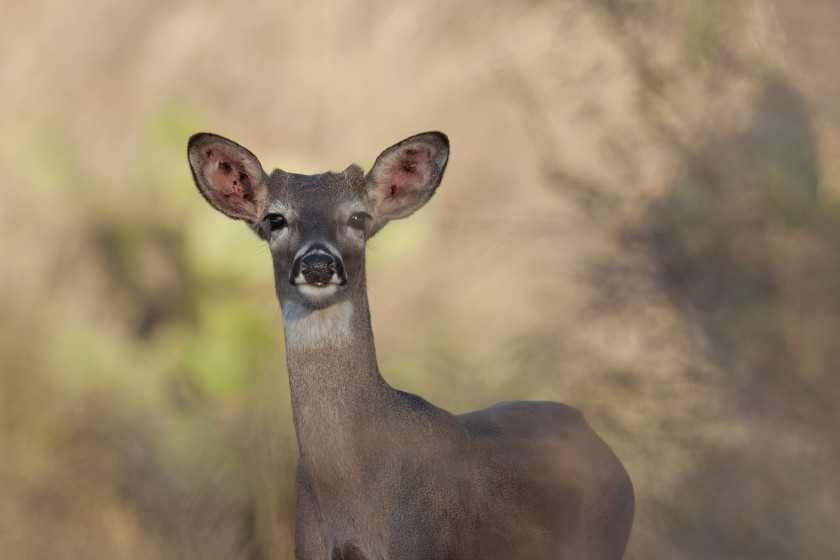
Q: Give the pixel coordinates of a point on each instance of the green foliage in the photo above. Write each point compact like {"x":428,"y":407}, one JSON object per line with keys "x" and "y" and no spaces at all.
{"x":158,"y":161}
{"x":229,"y":345}
{"x":50,"y":157}
{"x":702,"y":36}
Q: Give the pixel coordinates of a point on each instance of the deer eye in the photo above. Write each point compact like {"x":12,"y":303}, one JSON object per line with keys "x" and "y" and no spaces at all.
{"x":275,"y":221}
{"x":358,"y":220}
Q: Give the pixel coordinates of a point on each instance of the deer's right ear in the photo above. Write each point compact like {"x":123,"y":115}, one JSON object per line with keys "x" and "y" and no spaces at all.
{"x":229,"y":176}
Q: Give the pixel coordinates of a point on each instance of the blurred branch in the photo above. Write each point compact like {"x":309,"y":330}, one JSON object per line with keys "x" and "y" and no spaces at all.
{"x":591,"y":195}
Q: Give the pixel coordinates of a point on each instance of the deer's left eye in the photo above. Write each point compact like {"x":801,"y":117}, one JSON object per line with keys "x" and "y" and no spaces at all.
{"x":358,"y":220}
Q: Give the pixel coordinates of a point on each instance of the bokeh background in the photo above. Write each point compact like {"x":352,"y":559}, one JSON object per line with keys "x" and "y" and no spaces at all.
{"x":641,"y":217}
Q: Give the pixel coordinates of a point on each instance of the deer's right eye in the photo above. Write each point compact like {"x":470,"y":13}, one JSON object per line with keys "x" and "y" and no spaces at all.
{"x":275,"y":221}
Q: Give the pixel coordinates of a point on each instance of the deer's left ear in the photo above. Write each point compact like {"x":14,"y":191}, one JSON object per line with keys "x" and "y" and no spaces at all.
{"x":405,"y":176}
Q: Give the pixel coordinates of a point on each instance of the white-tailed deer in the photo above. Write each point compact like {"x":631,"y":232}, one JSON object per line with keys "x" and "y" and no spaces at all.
{"x":383,"y":474}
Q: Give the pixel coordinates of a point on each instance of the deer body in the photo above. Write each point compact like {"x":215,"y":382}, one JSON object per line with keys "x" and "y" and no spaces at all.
{"x":383,"y":474}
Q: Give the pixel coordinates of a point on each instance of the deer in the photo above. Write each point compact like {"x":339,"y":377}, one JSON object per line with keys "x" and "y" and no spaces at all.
{"x":384,"y":474}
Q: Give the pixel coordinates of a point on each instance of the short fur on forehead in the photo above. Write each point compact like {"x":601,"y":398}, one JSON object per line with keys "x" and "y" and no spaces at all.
{"x":329,"y":186}
{"x":355,"y":176}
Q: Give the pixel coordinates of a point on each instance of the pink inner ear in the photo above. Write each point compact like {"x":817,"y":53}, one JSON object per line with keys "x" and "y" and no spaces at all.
{"x":407,"y":173}
{"x":230,"y":180}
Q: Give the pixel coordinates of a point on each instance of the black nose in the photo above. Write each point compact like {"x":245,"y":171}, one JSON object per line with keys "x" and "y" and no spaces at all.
{"x":320,"y":265}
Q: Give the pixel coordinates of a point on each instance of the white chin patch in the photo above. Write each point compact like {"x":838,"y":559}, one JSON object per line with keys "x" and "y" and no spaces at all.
{"x":317,"y":292}
{"x":316,"y":328}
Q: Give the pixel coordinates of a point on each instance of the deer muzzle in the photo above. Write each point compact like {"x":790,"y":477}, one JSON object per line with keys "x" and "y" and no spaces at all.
{"x":318,"y":267}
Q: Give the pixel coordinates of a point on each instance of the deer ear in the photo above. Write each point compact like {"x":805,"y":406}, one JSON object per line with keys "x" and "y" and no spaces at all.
{"x":405,"y":176}
{"x":229,"y":176}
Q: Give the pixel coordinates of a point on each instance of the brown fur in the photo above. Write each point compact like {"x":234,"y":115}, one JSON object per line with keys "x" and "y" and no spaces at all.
{"x":384,"y":474}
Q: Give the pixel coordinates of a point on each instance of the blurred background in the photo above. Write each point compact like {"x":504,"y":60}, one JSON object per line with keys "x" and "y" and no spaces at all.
{"x":641,"y":218}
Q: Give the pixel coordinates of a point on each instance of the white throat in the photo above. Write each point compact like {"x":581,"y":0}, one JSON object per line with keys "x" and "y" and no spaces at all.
{"x":307,"y":328}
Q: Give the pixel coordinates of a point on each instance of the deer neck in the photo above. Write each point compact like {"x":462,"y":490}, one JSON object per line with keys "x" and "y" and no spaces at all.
{"x":333,"y":375}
